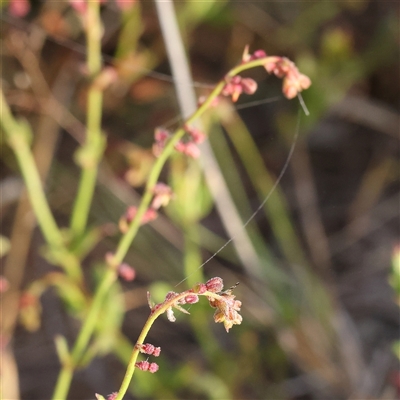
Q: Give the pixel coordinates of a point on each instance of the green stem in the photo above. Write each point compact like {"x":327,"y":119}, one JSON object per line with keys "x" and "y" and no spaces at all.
{"x":18,"y":134}
{"x":156,"y":312}
{"x":94,"y":145}
{"x":65,"y":376}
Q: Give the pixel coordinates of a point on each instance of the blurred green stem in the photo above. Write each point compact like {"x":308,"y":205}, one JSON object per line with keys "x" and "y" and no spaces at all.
{"x":18,"y":134}
{"x":94,"y":146}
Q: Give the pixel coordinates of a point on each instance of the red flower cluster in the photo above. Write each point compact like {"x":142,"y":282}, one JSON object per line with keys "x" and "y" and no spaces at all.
{"x":237,"y":85}
{"x":227,"y":308}
{"x":162,"y":195}
{"x":148,"y":348}
{"x":130,"y":214}
{"x":293,"y":81}
{"x":188,"y":147}
{"x":146,"y":366}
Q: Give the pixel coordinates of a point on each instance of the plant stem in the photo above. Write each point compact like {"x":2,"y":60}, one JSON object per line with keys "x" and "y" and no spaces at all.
{"x":146,"y":328}
{"x":123,"y":247}
{"x":65,"y":376}
{"x":18,"y":134}
{"x":94,"y":145}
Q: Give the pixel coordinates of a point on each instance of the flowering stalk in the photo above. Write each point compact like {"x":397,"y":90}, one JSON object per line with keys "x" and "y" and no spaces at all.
{"x":90,"y":154}
{"x":18,"y":134}
{"x":227,"y":312}
{"x":281,"y":67}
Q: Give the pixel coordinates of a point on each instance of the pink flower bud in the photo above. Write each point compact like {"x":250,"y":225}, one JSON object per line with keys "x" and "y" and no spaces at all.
{"x":112,"y":396}
{"x":153,"y":368}
{"x":19,"y":8}
{"x":162,"y":195}
{"x":126,"y":272}
{"x":200,"y":288}
{"x":249,"y":85}
{"x":157,"y":351}
{"x":215,"y":285}
{"x":143,"y":365}
{"x":197,"y":135}
{"x":259,"y":54}
{"x":161,"y":135}
{"x":192,"y":150}
{"x":191,"y":298}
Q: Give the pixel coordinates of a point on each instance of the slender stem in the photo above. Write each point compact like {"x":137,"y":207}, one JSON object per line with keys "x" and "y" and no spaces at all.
{"x":156,"y":312}
{"x":94,"y":145}
{"x":18,"y":134}
{"x":65,"y":376}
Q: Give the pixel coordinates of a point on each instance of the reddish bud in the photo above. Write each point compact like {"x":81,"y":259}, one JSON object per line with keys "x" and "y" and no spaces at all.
{"x":259,"y":54}
{"x":148,"y":348}
{"x":162,"y":195}
{"x":161,"y":135}
{"x":192,"y":150}
{"x":112,"y":396}
{"x":249,"y":85}
{"x":200,"y":288}
{"x":153,"y":368}
{"x":157,"y":351}
{"x":126,"y":272}
{"x":215,"y":285}
{"x":192,"y":298}
{"x":197,"y":135}
{"x":130,"y":214}
{"x":143,"y":365}
{"x":19,"y":8}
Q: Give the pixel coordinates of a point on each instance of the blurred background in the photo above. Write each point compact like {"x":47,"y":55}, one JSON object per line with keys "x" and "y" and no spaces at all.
{"x":319,"y":313}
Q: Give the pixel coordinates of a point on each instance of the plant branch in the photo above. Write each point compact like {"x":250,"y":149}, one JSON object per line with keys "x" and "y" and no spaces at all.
{"x":90,"y":154}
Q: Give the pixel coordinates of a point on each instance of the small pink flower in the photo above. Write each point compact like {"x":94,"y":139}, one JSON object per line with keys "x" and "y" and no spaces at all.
{"x":19,"y":8}
{"x":192,"y":150}
{"x":126,"y":272}
{"x":143,"y":365}
{"x":157,"y":351}
{"x":160,"y":136}
{"x":215,"y":285}
{"x":146,"y":366}
{"x":191,"y":298}
{"x":130,"y":214}
{"x":200,"y":288}
{"x":236,"y":85}
{"x":196,"y":134}
{"x":153,"y":368}
{"x":259,"y":54}
{"x":148,"y":348}
{"x":162,"y":195}
{"x":112,"y":396}
{"x":249,"y":85}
